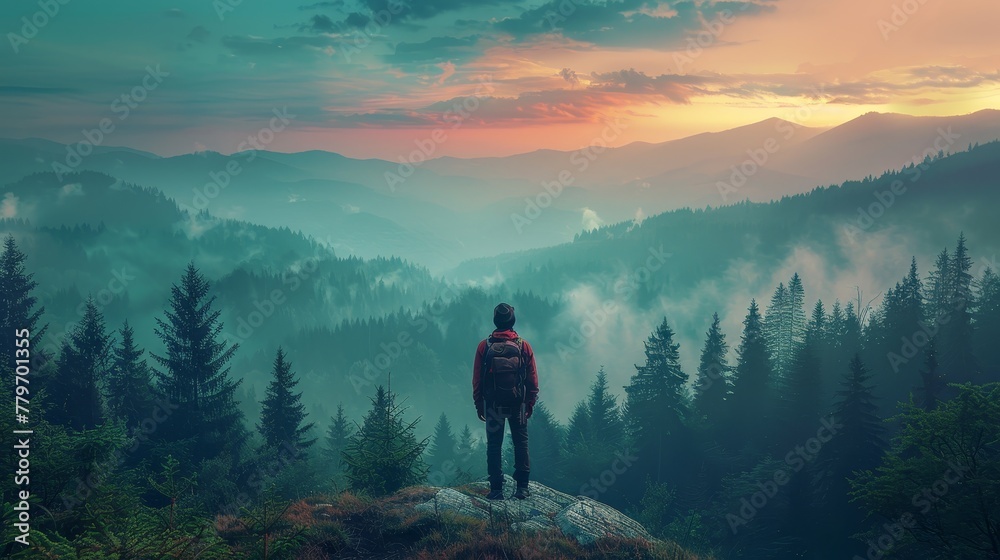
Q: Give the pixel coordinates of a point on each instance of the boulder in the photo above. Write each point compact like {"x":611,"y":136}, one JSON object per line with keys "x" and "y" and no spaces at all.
{"x":581,"y":518}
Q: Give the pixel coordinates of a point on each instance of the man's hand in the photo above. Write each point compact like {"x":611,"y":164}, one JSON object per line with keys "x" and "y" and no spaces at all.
{"x":528,"y":408}
{"x":481,"y":412}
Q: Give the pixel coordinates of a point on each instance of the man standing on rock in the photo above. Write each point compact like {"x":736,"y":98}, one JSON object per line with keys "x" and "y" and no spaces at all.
{"x":505,"y":388}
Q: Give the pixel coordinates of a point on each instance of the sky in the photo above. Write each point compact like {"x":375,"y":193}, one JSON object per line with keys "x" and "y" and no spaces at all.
{"x":469,"y":78}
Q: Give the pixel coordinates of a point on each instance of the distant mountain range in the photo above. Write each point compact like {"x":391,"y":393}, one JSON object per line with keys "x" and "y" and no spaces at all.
{"x":444,"y":211}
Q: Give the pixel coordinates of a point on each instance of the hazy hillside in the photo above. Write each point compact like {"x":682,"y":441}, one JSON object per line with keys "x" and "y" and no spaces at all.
{"x":348,"y":325}
{"x":443,"y":211}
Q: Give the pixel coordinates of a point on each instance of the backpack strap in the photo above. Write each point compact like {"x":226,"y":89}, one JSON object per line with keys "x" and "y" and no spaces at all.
{"x":524,"y":364}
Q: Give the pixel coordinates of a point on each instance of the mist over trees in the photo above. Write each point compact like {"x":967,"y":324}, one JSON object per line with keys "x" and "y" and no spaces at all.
{"x":806,"y":433}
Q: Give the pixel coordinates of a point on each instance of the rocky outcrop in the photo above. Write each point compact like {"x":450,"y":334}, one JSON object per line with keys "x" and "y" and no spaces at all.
{"x":583,"y":519}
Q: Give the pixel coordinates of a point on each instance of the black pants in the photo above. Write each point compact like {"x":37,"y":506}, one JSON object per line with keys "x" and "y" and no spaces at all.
{"x":495,"y":419}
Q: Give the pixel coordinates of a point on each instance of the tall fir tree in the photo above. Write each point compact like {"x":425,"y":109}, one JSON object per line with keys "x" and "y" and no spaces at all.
{"x":578,"y":431}
{"x":467,"y":455}
{"x":82,"y":371}
{"x":939,"y":289}
{"x":801,"y":395}
{"x":987,"y":321}
{"x":384,"y":454}
{"x":441,"y":457}
{"x":957,"y":356}
{"x":18,"y":306}
{"x":194,"y":375}
{"x":656,"y":401}
{"x":776,"y":329}
{"x":797,"y":310}
{"x":857,"y":445}
{"x":606,"y":425}
{"x":595,"y":434}
{"x":548,"y":458}
{"x":282,"y":415}
{"x":713,"y":383}
{"x":932,"y":384}
{"x":850,"y":337}
{"x":129,"y":392}
{"x":337,"y":434}
{"x":753,"y":398}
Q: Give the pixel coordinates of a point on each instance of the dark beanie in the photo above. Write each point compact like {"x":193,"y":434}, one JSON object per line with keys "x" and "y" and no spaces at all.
{"x":503,"y":316}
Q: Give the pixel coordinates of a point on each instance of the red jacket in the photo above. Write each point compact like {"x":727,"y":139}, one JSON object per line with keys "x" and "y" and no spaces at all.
{"x":531,"y":374}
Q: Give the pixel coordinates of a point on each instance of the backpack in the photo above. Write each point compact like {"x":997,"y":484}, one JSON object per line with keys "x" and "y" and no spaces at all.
{"x":504,"y":370}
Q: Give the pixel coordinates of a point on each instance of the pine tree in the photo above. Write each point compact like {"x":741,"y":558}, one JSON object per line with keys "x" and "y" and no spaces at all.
{"x":384,"y":454}
{"x":578,"y":432}
{"x":656,"y":400}
{"x":130,"y":392}
{"x":595,"y":434}
{"x":904,"y":316}
{"x":606,"y":426}
{"x":857,"y":445}
{"x":195,"y":375}
{"x":796,"y":310}
{"x":957,"y":358}
{"x":987,"y":321}
{"x":752,"y":398}
{"x":282,"y":416}
{"x":468,"y":457}
{"x":17,"y":304}
{"x":777,"y":328}
{"x":713,"y":384}
{"x":82,"y":370}
{"x":851,"y":335}
{"x":337,"y":436}
{"x":939,"y":289}
{"x":801,"y":396}
{"x":932,"y":384}
{"x":785,"y":323}
{"x":441,"y":452}
{"x":547,"y":449}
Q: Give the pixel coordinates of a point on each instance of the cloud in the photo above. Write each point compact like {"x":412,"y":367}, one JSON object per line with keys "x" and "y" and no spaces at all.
{"x":436,"y":49}
{"x":8,"y":207}
{"x":675,"y":88}
{"x":875,"y":88}
{"x":199,"y":34}
{"x":319,"y":24}
{"x":357,"y":19}
{"x":70,"y":190}
{"x":570,"y":76}
{"x":174,"y":13}
{"x":605,"y":94}
{"x":249,"y":45}
{"x":447,"y":71}
{"x":590,"y":220}
{"x":646,"y":23}
{"x":30,"y":90}
{"x":318,"y":5}
{"x":425,"y":9}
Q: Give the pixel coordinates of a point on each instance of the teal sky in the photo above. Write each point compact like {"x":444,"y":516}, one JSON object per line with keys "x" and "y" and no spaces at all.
{"x":542,"y":74}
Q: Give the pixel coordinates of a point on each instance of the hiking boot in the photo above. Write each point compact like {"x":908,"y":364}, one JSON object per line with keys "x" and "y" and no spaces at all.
{"x":522,"y":492}
{"x":495,"y":494}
